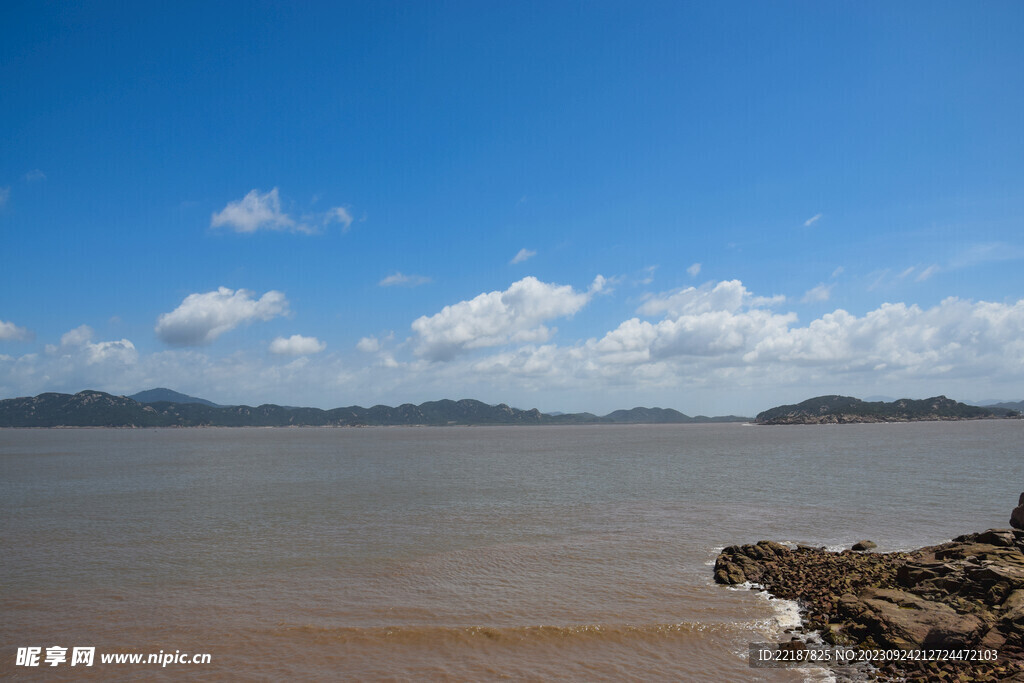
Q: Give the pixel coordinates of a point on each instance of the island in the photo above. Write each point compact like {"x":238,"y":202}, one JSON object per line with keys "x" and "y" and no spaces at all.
{"x":846,"y":410}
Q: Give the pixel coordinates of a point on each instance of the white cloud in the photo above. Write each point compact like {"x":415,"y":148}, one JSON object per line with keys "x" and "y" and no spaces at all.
{"x":5,"y":194}
{"x":495,"y":318}
{"x":522,"y":255}
{"x":812,"y":220}
{"x":296,"y":345}
{"x":122,"y":352}
{"x":76,"y":337}
{"x":201,"y":318}
{"x":11,"y":332}
{"x":339,"y":214}
{"x":398,"y":279}
{"x":837,"y":272}
{"x":822,"y":292}
{"x":926,"y":273}
{"x":34,"y":175}
{"x":719,"y":343}
{"x":694,"y":270}
{"x":957,"y":345}
{"x":253,"y":212}
{"x":728,"y":295}
{"x":368,"y":345}
{"x":956,"y":335}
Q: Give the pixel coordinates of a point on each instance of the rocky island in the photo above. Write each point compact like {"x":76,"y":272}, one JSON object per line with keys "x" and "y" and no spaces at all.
{"x":846,"y":409}
{"x":965,"y":594}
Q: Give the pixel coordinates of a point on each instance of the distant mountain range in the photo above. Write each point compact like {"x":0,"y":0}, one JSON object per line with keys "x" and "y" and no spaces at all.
{"x":1006,"y":405}
{"x":172,"y":409}
{"x":846,"y":409}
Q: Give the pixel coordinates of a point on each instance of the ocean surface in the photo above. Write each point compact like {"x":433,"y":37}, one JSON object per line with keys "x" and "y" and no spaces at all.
{"x":463,"y":553}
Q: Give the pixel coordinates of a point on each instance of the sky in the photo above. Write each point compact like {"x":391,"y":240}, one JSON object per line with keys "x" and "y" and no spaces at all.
{"x":570,"y":206}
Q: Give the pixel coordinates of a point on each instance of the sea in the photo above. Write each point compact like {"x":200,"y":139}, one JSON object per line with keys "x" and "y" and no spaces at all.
{"x":451,"y":553}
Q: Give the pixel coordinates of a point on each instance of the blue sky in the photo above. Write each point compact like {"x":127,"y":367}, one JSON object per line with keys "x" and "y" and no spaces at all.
{"x":715,"y":207}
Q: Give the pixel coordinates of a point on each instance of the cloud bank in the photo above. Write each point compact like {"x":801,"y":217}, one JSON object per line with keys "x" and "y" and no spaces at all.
{"x":719,"y":339}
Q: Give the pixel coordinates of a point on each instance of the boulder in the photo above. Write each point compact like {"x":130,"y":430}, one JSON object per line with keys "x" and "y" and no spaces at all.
{"x":900,"y":619}
{"x":999,"y":537}
{"x":1017,"y":517}
{"x":864,"y":545}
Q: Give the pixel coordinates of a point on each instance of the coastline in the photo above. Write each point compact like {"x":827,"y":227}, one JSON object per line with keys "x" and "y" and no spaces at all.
{"x":963,"y":595}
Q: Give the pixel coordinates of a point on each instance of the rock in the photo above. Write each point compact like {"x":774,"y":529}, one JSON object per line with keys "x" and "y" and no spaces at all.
{"x":999,"y":537}
{"x":1013,"y":606}
{"x":900,"y":619}
{"x":864,"y":545}
{"x":967,"y":593}
{"x":1017,"y":517}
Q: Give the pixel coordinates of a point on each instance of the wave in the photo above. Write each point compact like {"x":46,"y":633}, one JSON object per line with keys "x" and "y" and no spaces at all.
{"x":514,"y":634}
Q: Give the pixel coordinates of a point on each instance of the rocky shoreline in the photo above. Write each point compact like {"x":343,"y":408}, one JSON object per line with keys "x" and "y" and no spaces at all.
{"x":965,"y":594}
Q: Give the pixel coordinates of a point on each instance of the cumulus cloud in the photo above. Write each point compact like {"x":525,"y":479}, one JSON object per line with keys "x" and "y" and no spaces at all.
{"x":727,"y":328}
{"x":254,"y":212}
{"x":694,"y":270}
{"x":11,"y":332}
{"x":728,"y":295}
{"x":76,"y":337}
{"x":720,"y":341}
{"x":956,"y":335}
{"x":122,"y":352}
{"x":398,"y":279}
{"x":523,"y":255}
{"x":77,"y":344}
{"x":495,"y":318}
{"x":296,"y":345}
{"x":812,"y":220}
{"x":822,"y":292}
{"x":718,"y":345}
{"x":262,"y":211}
{"x":201,"y":318}
{"x":368,"y":345}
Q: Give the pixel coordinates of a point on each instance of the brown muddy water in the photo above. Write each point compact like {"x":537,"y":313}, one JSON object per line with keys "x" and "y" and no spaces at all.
{"x":463,"y":554}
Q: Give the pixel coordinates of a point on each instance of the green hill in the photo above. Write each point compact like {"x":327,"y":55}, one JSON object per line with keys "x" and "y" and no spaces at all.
{"x":98,"y":409}
{"x":846,"y":409}
{"x":169,"y":395}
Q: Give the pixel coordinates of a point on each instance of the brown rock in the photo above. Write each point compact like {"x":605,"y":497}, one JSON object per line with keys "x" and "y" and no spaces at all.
{"x":1017,"y":517}
{"x":1001,"y":537}
{"x":1014,"y":606}
{"x":864,"y":545}
{"x":907,"y":621}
